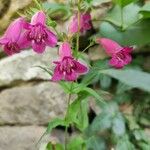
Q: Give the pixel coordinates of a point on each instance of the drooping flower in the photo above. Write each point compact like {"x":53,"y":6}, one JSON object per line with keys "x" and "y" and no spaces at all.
{"x":85,"y":23}
{"x":121,"y":56}
{"x":11,"y":40}
{"x":67,"y":68}
{"x":38,"y":35}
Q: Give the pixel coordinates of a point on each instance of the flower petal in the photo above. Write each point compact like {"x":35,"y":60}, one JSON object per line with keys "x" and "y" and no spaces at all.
{"x":8,"y":51}
{"x":80,"y":68}
{"x":38,"y":17}
{"x":116,"y":63}
{"x":65,"y":50}
{"x":128,"y":59}
{"x":71,"y":77}
{"x":86,"y":16}
{"x":57,"y":75}
{"x":109,"y":45}
{"x":128,"y":49}
{"x":4,"y":40}
{"x":38,"y":48}
{"x":14,"y":30}
{"x":23,"y":41}
{"x":52,"y":39}
{"x":73,"y":26}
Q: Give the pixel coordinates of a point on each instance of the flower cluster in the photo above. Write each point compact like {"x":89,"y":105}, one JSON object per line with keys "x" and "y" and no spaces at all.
{"x":121,"y":56}
{"x":21,"y":35}
{"x":67,"y":67}
{"x":84,"y":22}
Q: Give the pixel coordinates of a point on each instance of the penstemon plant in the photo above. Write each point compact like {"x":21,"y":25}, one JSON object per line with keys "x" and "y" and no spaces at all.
{"x":42,"y":32}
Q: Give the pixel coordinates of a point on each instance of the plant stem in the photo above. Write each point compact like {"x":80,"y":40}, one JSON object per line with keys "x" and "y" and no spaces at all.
{"x":78,"y":33}
{"x":66,"y":129}
{"x":90,"y":45}
{"x":122,"y":19}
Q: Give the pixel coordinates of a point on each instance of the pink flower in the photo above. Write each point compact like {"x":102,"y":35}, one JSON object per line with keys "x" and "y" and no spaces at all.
{"x":38,"y":35}
{"x":121,"y":56}
{"x":11,"y":40}
{"x":67,"y":68}
{"x":85,"y":23}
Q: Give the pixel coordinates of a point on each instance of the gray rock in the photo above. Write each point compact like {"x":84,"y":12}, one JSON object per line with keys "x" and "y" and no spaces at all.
{"x":28,"y":105}
{"x":96,"y":53}
{"x":25,"y":138}
{"x":22,"y":66}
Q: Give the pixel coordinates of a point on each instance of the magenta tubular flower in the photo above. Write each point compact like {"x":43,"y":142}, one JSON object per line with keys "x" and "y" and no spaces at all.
{"x":67,"y":68}
{"x":37,"y":34}
{"x":11,"y":40}
{"x":121,"y":56}
{"x":85,"y":23}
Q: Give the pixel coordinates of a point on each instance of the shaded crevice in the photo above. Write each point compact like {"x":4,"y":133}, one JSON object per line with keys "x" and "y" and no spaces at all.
{"x":19,"y":83}
{"x":5,"y":7}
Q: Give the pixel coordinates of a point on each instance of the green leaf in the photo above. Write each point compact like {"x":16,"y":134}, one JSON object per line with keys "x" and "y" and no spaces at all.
{"x":101,"y":122}
{"x":133,"y":78}
{"x":122,"y":98}
{"x":67,"y":86}
{"x":56,"y":9}
{"x":121,"y":88}
{"x":76,"y":143}
{"x":96,"y":143}
{"x":95,"y":95}
{"x":143,"y":145}
{"x":132,"y":122}
{"x":114,"y":16}
{"x":124,"y":144}
{"x":93,"y":76}
{"x":54,"y":123}
{"x":74,"y":109}
{"x":141,"y":136}
{"x":105,"y":81}
{"x":51,"y":146}
{"x":123,"y":3}
{"x":118,"y":124}
{"x":45,"y":69}
{"x":145,"y":10}
{"x":140,"y":33}
{"x":105,"y":119}
{"x":83,"y":120}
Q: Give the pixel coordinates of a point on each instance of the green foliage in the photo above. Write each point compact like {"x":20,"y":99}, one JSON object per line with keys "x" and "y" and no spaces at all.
{"x":123,"y":3}
{"x":114,"y":16}
{"x":140,"y":33}
{"x":51,"y":146}
{"x":105,"y":81}
{"x":145,"y":10}
{"x":55,"y":9}
{"x":133,"y":78}
{"x":96,"y":143}
{"x":54,"y":123}
{"x":124,"y":144}
{"x":119,"y":25}
{"x":76,"y":143}
{"x":78,"y":111}
{"x":110,"y":117}
{"x":76,"y":88}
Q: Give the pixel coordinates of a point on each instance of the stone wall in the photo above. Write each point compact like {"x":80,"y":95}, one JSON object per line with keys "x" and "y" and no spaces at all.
{"x":28,"y":99}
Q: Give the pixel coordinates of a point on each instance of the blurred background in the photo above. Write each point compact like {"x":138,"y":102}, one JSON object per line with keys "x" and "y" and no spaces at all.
{"x":28,"y":100}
